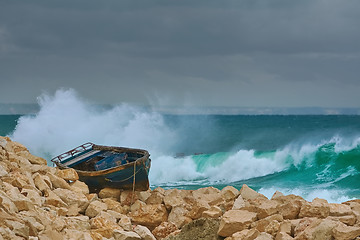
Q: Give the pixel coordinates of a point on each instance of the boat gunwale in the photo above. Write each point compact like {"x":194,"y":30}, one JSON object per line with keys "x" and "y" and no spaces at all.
{"x":139,"y":161}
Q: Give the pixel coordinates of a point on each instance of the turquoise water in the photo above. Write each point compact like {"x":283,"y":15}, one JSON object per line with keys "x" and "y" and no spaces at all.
{"x":307,"y":155}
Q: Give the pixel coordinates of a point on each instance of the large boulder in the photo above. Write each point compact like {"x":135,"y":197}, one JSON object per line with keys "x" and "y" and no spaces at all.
{"x":150,"y":215}
{"x":235,"y":220}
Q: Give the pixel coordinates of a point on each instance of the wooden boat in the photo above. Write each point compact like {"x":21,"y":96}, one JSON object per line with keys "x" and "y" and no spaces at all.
{"x":104,"y":166}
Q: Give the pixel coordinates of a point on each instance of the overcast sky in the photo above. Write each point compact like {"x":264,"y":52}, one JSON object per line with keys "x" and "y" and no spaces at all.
{"x":246,"y":53}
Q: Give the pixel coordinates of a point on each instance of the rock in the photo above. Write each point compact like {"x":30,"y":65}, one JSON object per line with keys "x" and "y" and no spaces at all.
{"x":150,"y":215}
{"x":110,"y":193}
{"x":104,"y":226}
{"x":318,"y":229}
{"x":3,"y":171}
{"x":229,"y":193}
{"x":173,"y":198}
{"x":33,"y":196}
{"x":41,"y":183}
{"x":31,"y":158}
{"x":337,"y":210}
{"x":213,"y":212}
{"x":94,"y":208}
{"x":128,"y":197}
{"x":210,"y":195}
{"x":144,"y":195}
{"x":125,"y":223}
{"x":264,"y":236}
{"x":200,"y":229}
{"x":196,"y":207}
{"x":20,"y":229}
{"x":261,"y":224}
{"x":249,"y":194}
{"x":54,"y":200}
{"x":246,"y":234}
{"x":239,"y":203}
{"x":317,"y":208}
{"x":77,"y":222}
{"x":343,"y":232}
{"x":58,"y":182}
{"x":144,"y":233}
{"x":276,"y":195}
{"x":272,"y":228}
{"x":68,"y":174}
{"x":235,"y":220}
{"x":79,"y":186}
{"x":178,"y":216}
{"x":7,"y":204}
{"x":155,"y":198}
{"x":114,"y":205}
{"x":21,"y":202}
{"x":164,"y":229}
{"x":290,"y":206}
{"x":76,"y":234}
{"x":72,"y":198}
{"x":123,"y":235}
{"x":283,"y":236}
{"x":267,"y":208}
{"x":137,"y":205}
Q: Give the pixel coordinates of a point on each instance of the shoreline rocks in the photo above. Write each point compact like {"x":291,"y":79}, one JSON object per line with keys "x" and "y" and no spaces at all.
{"x":42,"y":202}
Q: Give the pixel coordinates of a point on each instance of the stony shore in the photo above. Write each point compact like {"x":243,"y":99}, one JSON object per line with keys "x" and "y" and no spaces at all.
{"x":42,"y":202}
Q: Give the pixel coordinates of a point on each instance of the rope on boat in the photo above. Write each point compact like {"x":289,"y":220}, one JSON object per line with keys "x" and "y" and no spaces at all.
{"x":133,"y":189}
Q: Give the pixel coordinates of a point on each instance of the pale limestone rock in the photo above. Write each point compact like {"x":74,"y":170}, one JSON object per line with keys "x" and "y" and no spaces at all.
{"x":94,"y":208}
{"x":229,"y":193}
{"x":115,"y":214}
{"x":272,"y":228}
{"x":344,"y":232}
{"x":68,"y":174}
{"x":77,"y":222}
{"x":31,"y":158}
{"x":21,"y":202}
{"x":249,"y":194}
{"x":290,"y":205}
{"x":144,"y":195}
{"x":144,"y":233}
{"x":301,"y":224}
{"x":33,"y":196}
{"x":80,"y":186}
{"x":18,"y":228}
{"x":104,"y":226}
{"x":209,"y":196}
{"x":128,"y":197}
{"x":155,"y":198}
{"x":285,"y":226}
{"x":348,"y":220}
{"x":235,"y":220}
{"x":3,"y":171}
{"x":248,"y":234}
{"x":267,"y":208}
{"x":113,"y":205}
{"x":317,"y":208}
{"x":264,"y":236}
{"x":41,"y":183}
{"x":239,"y":203}
{"x":283,"y":236}
{"x":174,"y":197}
{"x":160,"y":190}
{"x":72,"y":234}
{"x":34,"y":226}
{"x":213,"y":212}
{"x":164,"y":229}
{"x":123,"y":235}
{"x":91,"y":197}
{"x":137,"y":205}
{"x":54,"y":200}
{"x":58,"y":182}
{"x":337,"y":209}
{"x":276,"y":195}
{"x":110,"y":193}
{"x":7,"y":204}
{"x":150,"y":215}
{"x":318,"y":229}
{"x":72,"y":198}
{"x":125,"y":223}
{"x":196,"y":207}
{"x":261,"y":224}
{"x":178,"y":216}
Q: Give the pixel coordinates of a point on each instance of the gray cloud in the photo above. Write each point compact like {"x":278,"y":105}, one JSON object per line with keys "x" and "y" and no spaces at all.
{"x":234,"y":53}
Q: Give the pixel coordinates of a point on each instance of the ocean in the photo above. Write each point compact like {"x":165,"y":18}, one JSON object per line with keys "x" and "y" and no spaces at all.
{"x":307,"y":155}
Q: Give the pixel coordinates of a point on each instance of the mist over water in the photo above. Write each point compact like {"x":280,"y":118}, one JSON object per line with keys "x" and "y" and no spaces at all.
{"x":312,"y":156}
